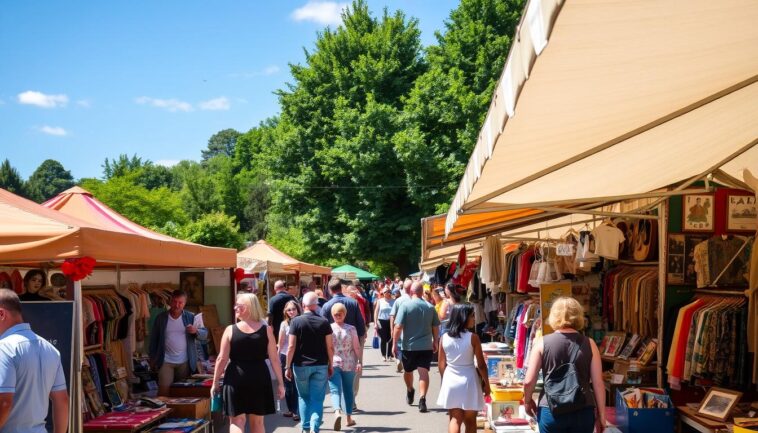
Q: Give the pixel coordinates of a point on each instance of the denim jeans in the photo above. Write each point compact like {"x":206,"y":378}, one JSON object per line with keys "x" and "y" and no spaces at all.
{"x":290,"y":390}
{"x":311,"y":389}
{"x":581,"y":421}
{"x":341,"y":390}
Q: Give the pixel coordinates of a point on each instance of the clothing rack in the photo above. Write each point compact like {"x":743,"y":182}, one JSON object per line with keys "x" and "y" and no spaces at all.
{"x":719,"y":292}
{"x":635,"y":263}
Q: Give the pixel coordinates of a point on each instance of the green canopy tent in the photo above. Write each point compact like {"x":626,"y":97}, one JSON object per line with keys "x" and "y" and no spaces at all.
{"x":350,"y":272}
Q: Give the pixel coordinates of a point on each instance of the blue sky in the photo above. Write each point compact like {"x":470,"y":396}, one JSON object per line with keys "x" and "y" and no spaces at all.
{"x":82,"y":81}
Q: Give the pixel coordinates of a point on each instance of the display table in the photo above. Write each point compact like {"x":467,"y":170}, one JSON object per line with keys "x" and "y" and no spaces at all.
{"x":191,"y":388}
{"x":188,"y":407}
{"x":125,"y":422}
{"x":688,"y":416}
{"x":203,"y":427}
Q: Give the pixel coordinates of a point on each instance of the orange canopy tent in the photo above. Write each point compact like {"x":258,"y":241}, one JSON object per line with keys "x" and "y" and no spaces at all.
{"x":263,"y":257}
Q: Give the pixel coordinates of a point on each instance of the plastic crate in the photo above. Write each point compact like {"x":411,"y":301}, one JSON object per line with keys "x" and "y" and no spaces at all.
{"x":644,"y":420}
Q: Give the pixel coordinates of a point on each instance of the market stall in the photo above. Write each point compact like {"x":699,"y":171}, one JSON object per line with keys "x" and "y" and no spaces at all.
{"x":351,"y":273}
{"x":36,"y":237}
{"x":632,"y":118}
{"x":263,"y":264}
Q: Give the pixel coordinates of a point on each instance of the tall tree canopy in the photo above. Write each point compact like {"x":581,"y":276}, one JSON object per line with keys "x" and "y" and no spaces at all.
{"x":11,"y":180}
{"x":49,"y":179}
{"x":221,"y":143}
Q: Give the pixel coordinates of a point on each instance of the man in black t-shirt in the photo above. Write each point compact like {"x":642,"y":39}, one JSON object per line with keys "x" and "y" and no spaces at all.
{"x":276,"y":305}
{"x":309,"y":360}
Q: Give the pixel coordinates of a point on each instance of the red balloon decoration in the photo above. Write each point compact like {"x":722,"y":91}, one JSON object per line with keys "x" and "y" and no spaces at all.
{"x":239,"y":275}
{"x":78,"y":269}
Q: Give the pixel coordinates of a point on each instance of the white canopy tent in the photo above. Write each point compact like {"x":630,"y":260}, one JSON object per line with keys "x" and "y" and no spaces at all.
{"x":602,"y":101}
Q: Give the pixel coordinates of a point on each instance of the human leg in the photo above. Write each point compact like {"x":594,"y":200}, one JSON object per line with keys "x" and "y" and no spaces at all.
{"x":318,"y":384}
{"x":165,"y":378}
{"x":469,"y":420}
{"x":455,"y":420}
{"x":302,"y":382}
{"x":237,"y":424}
{"x":385,"y":338}
{"x":290,"y":390}
{"x":256,"y":424}
{"x":335,"y":389}
{"x":181,"y":371}
{"x":423,"y":381}
{"x":549,"y":424}
{"x":583,"y":421}
{"x":357,"y":380}
{"x":348,"y":378}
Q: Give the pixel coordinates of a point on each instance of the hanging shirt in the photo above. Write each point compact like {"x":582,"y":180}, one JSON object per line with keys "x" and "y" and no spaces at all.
{"x":608,"y":241}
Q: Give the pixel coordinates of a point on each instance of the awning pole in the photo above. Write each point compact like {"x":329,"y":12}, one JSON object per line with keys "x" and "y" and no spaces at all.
{"x":75,"y":391}
{"x":596,"y":212}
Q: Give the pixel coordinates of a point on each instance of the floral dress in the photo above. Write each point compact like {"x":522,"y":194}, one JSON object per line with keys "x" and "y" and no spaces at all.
{"x":345,"y":357}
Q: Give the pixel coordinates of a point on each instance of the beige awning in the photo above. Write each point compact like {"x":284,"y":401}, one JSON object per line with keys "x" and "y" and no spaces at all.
{"x":601,"y":101}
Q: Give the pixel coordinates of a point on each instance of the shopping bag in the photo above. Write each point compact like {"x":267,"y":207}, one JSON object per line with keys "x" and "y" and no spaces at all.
{"x":375,"y":341}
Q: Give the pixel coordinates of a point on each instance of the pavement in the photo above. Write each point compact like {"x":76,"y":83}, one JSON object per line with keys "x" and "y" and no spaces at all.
{"x":381,"y":403}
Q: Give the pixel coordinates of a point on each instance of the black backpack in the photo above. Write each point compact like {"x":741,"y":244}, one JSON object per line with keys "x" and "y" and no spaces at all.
{"x":563,"y":389}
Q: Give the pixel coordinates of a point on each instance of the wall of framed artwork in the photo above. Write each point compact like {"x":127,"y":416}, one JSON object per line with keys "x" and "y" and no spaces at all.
{"x":680,"y":266}
{"x":698,"y":213}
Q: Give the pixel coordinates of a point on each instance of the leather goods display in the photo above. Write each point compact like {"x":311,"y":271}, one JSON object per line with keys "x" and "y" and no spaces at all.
{"x":645,"y":245}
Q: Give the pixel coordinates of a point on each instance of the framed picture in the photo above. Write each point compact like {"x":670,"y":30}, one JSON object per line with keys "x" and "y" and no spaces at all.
{"x":741,"y":213}
{"x":675,"y":259}
{"x":113,"y":396}
{"x":697,"y":215}
{"x":690,"y":241}
{"x":615,"y":343}
{"x":630,"y":346}
{"x":649,"y":353}
{"x":718,"y":403}
{"x":505,"y":409}
{"x":193,"y":284}
{"x":492,"y":365}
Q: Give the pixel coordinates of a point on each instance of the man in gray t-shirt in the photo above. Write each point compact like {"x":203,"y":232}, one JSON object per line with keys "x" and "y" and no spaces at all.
{"x":418,"y":324}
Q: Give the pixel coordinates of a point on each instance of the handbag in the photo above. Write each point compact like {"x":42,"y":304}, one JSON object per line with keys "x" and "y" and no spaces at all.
{"x":216,"y":402}
{"x":375,"y":341}
{"x":563,"y":391}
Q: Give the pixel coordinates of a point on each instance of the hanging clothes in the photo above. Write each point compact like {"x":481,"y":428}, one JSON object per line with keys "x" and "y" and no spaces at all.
{"x":608,"y":241}
{"x":492,"y":263}
{"x":630,"y":300}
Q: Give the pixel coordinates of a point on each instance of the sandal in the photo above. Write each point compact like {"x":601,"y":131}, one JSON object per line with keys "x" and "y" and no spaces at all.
{"x":351,"y":423}
{"x":288,"y":414}
{"x":296,"y":417}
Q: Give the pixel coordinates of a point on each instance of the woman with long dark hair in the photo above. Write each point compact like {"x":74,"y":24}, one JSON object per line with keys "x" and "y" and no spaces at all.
{"x":382,"y":322}
{"x":461,"y":392}
{"x":452,"y":297}
{"x":291,"y":310}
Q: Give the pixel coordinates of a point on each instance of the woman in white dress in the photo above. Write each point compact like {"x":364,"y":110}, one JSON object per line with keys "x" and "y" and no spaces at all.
{"x":461,"y":392}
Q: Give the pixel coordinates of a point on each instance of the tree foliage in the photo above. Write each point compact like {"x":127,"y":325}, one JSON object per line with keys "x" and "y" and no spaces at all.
{"x":215,"y":229}
{"x":48,"y":180}
{"x":221,"y":143}
{"x":11,"y":180}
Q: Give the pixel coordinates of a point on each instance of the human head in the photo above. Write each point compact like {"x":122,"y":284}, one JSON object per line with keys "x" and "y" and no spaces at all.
{"x":338,"y":312}
{"x":10,"y":310}
{"x":247,"y":307}
{"x":288,"y":310}
{"x":396,"y":293}
{"x":437,"y":296}
{"x":453,"y":292}
{"x":178,"y":301}
{"x":319,"y":293}
{"x":279,"y":286}
{"x":34,"y":280}
{"x":335,"y":286}
{"x":386,"y":292}
{"x":566,"y":313}
{"x":407,"y":285}
{"x":417,"y":289}
{"x":460,"y":317}
{"x":310,"y":301}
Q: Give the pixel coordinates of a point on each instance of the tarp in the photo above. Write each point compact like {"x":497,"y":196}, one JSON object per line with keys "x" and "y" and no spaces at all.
{"x":31,"y":233}
{"x":359,"y":273}
{"x":262,"y":256}
{"x":605,"y":100}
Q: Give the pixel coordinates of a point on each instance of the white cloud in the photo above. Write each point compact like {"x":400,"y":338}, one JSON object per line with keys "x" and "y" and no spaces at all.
{"x":53,"y":130}
{"x":167,"y":104}
{"x":265,"y":72}
{"x":31,"y":97}
{"x":167,"y":162}
{"x":216,"y":104}
{"x":321,"y":12}
{"x":84,"y":103}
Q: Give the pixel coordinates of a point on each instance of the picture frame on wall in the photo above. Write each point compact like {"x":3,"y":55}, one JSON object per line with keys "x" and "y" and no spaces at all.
{"x":718,"y":403}
{"x":741,"y":213}
{"x":697,"y":212}
{"x":193,"y":284}
{"x":680,"y":258}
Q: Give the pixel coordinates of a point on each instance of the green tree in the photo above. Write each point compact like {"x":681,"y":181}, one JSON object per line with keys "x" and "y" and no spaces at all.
{"x":48,"y":180}
{"x":335,"y":174}
{"x":445,"y":110}
{"x":11,"y":180}
{"x":122,"y":165}
{"x":221,"y":143}
{"x":151,"y":208}
{"x":214,"y":229}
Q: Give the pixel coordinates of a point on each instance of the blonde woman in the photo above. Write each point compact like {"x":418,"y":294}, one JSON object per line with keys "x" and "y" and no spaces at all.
{"x":248,"y":392}
{"x":564,"y":346}
{"x":346,"y":363}
{"x":291,"y":310}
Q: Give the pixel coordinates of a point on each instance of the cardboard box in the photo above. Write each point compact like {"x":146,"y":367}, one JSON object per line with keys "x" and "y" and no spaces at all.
{"x":188,"y":407}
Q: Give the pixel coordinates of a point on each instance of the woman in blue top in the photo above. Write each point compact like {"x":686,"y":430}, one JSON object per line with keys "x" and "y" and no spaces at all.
{"x":382,"y":322}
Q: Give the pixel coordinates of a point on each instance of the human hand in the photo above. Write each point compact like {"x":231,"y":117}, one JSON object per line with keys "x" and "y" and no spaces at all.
{"x":288,"y":374}
{"x":191,"y":329}
{"x":281,"y":391}
{"x":487,"y":390}
{"x":599,"y":424}
{"x":435,"y":346}
{"x":358,"y":368}
{"x":530,"y":407}
{"x":377,"y":325}
{"x":330,"y":371}
{"x":394,"y":351}
{"x":214,"y":390}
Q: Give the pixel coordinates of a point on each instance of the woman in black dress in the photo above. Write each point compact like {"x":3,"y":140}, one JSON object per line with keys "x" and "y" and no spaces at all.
{"x":247,"y":393}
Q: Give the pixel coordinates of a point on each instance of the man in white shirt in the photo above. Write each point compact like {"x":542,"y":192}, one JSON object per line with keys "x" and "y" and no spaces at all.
{"x":172,"y":343}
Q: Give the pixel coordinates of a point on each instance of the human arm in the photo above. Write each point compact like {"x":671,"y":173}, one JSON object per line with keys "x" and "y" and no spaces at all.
{"x":596,"y":374}
{"x":282,"y":336}
{"x":396,"y":332}
{"x":435,"y":338}
{"x":376,"y":315}
{"x":360,"y":323}
{"x":442,"y":313}
{"x":530,"y":381}
{"x":6,"y":404}
{"x":290,"y":356}
{"x":273,"y":357}
{"x":329,"y":354}
{"x":441,"y":360}
{"x":481,"y":364}
{"x":356,"y":349}
{"x":222,"y":359}
{"x":60,"y":411}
